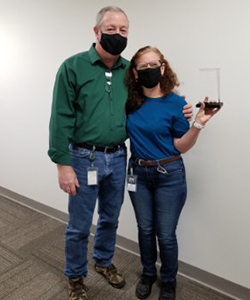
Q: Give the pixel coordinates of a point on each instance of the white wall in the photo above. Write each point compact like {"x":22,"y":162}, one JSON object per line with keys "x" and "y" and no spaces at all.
{"x":36,"y":36}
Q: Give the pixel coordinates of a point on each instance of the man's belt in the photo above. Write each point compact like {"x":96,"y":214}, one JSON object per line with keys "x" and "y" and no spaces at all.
{"x":105,"y":149}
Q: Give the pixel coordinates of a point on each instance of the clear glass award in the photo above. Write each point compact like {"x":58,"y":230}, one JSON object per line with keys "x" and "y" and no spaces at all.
{"x":209,"y":86}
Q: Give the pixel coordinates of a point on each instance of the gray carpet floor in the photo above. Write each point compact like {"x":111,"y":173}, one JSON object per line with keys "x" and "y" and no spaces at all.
{"x":32,"y":262}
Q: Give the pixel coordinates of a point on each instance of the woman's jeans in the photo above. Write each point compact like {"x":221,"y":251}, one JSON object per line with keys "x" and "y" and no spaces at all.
{"x":157,"y":203}
{"x":110,"y":193}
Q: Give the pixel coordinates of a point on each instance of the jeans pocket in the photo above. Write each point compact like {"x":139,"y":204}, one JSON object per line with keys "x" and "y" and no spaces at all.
{"x":122,"y":151}
{"x":173,"y":167}
{"x":78,"y":151}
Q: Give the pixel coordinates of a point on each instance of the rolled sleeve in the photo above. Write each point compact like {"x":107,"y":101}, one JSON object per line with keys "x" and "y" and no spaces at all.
{"x":63,"y":117}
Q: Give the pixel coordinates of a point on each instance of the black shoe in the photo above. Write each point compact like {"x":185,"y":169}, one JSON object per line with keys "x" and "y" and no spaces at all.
{"x":143,"y":288}
{"x":167,"y":291}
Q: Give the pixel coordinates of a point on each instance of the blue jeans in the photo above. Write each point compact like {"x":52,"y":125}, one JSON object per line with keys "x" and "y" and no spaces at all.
{"x":157,"y":203}
{"x":110,"y":193}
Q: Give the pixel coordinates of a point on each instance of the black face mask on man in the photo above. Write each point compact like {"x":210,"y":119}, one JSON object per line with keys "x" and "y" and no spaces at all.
{"x":113,"y":43}
{"x":149,"y":77}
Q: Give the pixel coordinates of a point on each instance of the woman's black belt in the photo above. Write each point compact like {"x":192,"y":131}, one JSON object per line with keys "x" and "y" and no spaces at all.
{"x":105,"y":149}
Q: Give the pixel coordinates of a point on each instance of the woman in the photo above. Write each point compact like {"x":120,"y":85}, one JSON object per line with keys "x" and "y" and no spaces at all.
{"x":158,"y":133}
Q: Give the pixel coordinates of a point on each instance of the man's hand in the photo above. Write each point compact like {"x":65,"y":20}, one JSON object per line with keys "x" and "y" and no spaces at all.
{"x":67,"y":179}
{"x":188,"y":111}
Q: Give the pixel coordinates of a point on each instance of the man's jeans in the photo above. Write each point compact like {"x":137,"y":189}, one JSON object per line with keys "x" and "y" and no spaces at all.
{"x":158,"y":203}
{"x":110,"y":193}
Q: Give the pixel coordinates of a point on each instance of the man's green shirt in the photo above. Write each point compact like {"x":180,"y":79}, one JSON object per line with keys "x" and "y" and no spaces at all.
{"x":84,"y":109}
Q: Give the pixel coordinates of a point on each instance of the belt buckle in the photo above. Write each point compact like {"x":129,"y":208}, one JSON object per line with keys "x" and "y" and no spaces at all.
{"x":114,"y":148}
{"x":139,"y":161}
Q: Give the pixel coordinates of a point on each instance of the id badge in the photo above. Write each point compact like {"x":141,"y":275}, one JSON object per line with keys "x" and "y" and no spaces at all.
{"x":92,"y":176}
{"x":132,"y":183}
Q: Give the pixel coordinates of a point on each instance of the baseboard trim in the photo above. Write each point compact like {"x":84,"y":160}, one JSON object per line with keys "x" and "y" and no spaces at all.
{"x":212,"y":281}
{"x":219,"y":284}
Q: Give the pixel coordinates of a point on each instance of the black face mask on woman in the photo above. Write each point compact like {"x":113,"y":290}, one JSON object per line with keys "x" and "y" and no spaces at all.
{"x":149,"y":77}
{"x":113,"y":43}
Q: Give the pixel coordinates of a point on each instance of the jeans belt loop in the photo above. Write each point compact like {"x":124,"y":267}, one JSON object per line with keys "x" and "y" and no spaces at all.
{"x":105,"y":150}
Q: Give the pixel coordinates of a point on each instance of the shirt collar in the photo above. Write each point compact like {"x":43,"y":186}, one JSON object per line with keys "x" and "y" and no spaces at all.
{"x":94,"y":57}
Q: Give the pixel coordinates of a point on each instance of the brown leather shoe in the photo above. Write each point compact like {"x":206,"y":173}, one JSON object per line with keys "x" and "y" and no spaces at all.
{"x":77,"y":289}
{"x":111,"y":275}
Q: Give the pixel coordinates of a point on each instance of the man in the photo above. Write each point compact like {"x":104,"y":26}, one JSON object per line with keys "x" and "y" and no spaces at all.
{"x":87,"y":134}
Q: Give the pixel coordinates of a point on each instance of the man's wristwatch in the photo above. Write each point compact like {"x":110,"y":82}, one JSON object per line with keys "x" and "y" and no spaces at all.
{"x":197,"y":125}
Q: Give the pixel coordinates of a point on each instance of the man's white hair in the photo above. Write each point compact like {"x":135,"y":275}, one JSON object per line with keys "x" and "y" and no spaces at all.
{"x":103,"y":11}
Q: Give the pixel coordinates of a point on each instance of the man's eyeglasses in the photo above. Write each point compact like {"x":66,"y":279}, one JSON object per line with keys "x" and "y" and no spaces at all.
{"x":108,"y":76}
{"x":152,"y":64}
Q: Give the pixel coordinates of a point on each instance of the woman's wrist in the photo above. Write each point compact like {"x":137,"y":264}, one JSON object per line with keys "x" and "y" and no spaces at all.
{"x":198,"y":125}
{"x":199,"y":121}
